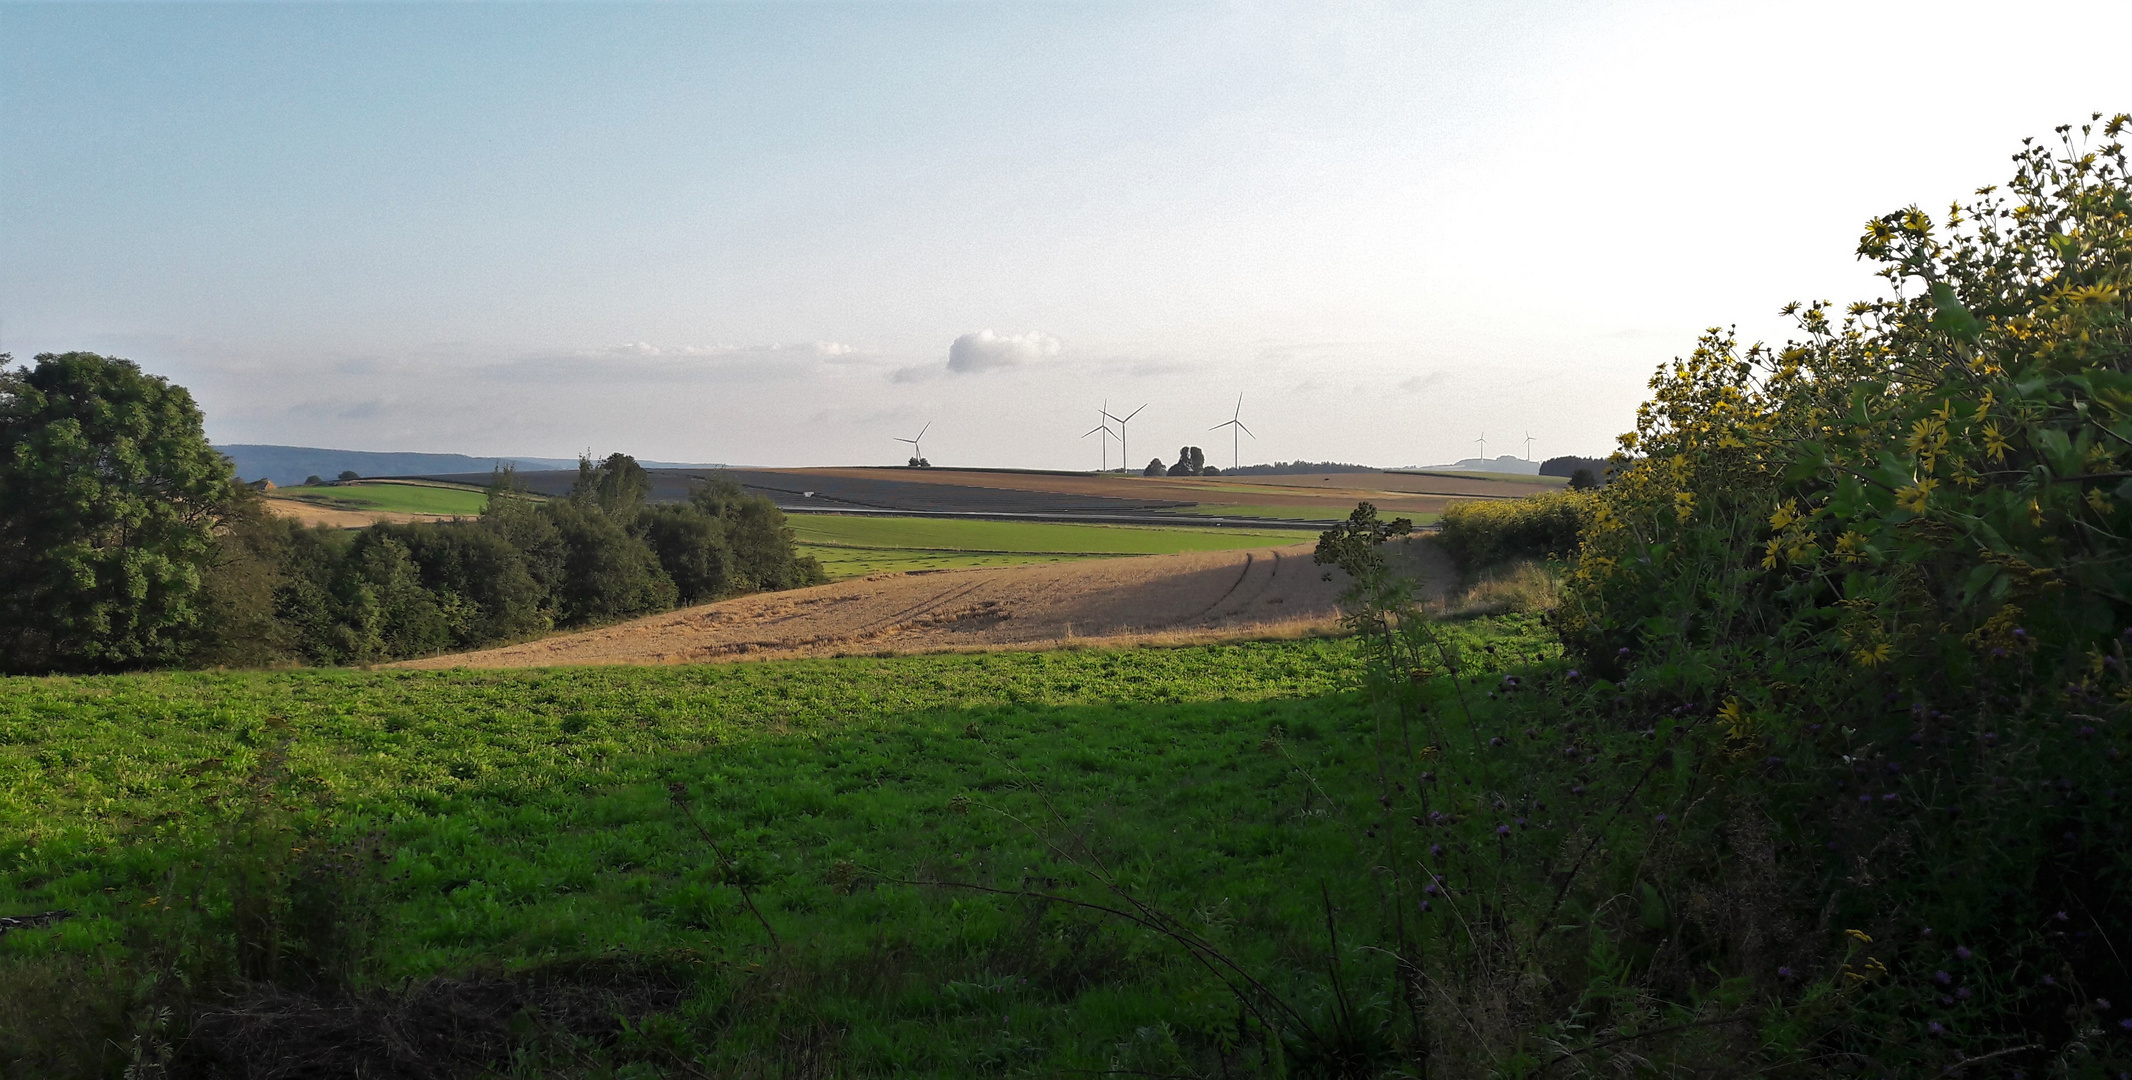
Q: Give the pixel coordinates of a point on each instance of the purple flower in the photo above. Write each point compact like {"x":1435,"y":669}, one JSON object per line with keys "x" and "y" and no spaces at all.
{"x":1424,"y":905}
{"x":1961,"y":952}
{"x":1784,"y":973}
{"x":1942,"y":978}
{"x":1865,"y":800}
{"x":1934,"y":1028}
{"x":2020,"y":634}
{"x":1621,"y":652}
{"x":1660,"y":819}
{"x":2103,"y":1004}
{"x":1814,"y":728}
{"x":1577,"y":789}
{"x":1889,"y":797}
{"x":2061,"y":917}
{"x":2126,"y":1023}
{"x":1998,"y":653}
{"x":2050,"y":980}
{"x":1435,"y":850}
{"x":2086,"y":731}
{"x":1521,"y":823}
{"x":1963,"y":993}
{"x":1497,"y":741}
{"x":1502,"y":830}
{"x":1991,"y":736}
{"x":1926,"y":932}
{"x":1430,"y":888}
{"x":1574,"y":675}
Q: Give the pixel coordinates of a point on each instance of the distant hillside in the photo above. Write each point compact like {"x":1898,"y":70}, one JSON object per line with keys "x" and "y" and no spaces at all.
{"x":286,"y":465}
{"x":1507,"y":464}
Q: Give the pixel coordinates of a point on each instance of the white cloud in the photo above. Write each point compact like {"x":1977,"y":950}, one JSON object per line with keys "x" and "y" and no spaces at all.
{"x":986,"y":351}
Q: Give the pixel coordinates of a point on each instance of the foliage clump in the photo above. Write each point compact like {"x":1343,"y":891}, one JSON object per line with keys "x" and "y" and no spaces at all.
{"x":1889,"y":562}
{"x":1481,"y":533}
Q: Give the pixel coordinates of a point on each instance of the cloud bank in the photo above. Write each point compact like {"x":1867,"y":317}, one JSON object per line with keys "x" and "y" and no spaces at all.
{"x":988,"y":351}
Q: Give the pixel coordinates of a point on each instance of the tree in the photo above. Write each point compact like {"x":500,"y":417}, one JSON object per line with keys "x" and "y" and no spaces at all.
{"x":314,"y":480}
{"x":1583,"y":480}
{"x":617,"y":486}
{"x":1154,"y":468}
{"x":350,"y":474}
{"x":109,"y":500}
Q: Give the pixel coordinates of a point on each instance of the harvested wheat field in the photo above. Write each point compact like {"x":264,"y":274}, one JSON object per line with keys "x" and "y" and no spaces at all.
{"x":1194,"y":596}
{"x":313,"y":514}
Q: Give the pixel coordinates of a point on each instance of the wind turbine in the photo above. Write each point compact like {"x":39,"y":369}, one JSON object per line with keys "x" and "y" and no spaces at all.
{"x":918,"y":452}
{"x":1236,"y":423}
{"x":1528,"y":446}
{"x":1104,"y":427}
{"x":1483,"y":440}
{"x":1125,"y":461}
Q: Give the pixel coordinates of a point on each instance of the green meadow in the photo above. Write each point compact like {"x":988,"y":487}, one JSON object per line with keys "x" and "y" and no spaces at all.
{"x":853,"y":546}
{"x":841,"y":850}
{"x":394,"y":497}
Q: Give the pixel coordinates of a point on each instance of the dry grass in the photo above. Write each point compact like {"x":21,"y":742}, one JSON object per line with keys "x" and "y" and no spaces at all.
{"x":1525,"y":586}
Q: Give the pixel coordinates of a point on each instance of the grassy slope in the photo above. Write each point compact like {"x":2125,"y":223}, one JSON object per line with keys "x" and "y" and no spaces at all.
{"x":856,"y":546}
{"x":393,"y":498}
{"x":526,"y":819}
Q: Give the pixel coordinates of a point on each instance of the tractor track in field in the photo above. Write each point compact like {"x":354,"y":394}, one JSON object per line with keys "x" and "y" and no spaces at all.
{"x":1194,"y":596}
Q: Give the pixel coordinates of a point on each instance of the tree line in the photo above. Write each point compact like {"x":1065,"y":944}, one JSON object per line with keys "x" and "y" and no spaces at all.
{"x":126,"y":541}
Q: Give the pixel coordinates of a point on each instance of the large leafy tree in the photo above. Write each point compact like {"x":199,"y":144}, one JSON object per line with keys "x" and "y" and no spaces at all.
{"x":109,"y":500}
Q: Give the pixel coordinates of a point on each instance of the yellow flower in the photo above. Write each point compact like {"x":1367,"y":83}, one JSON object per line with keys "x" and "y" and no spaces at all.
{"x":1683,"y":506}
{"x":1994,"y":442}
{"x":1785,"y":515}
{"x":2097,"y":502}
{"x":1913,"y":498}
{"x":1873,"y":655}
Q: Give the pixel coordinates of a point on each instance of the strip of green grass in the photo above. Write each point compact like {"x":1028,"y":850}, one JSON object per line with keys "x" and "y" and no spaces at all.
{"x":853,"y":562}
{"x":1327,"y":512}
{"x":1048,"y":538}
{"x":524,"y":819}
{"x":393,"y":498}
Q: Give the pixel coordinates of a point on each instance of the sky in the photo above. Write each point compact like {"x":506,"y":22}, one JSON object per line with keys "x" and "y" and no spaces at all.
{"x":789,"y":233}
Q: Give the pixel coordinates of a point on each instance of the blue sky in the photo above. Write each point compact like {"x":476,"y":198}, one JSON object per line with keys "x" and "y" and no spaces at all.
{"x":755,"y":233}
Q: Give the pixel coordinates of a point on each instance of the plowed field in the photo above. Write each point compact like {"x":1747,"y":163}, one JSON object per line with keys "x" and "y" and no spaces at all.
{"x":1197,"y":595}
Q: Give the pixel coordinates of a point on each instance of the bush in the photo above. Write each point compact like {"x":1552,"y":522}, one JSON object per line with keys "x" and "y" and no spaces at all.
{"x":1480,"y":534}
{"x":1889,"y":562}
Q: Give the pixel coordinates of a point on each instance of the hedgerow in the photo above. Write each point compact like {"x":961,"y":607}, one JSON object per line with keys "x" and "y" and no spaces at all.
{"x":1886,"y":567}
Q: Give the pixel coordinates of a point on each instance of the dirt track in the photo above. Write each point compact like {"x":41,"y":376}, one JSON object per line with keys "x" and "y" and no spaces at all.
{"x":1217,"y":594}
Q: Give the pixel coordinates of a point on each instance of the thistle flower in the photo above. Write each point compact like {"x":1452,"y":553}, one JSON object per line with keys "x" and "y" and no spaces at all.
{"x":1436,"y":850}
{"x":1962,"y":993}
{"x":1934,"y":1028}
{"x":1660,"y":819}
{"x":1961,"y":952}
{"x":1784,"y":972}
{"x":1942,"y":978}
{"x":1502,"y":830}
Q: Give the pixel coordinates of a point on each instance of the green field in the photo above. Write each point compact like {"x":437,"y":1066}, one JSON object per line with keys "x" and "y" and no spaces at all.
{"x":1292,"y":513}
{"x":393,"y":497}
{"x":853,"y":546}
{"x":521,"y":822}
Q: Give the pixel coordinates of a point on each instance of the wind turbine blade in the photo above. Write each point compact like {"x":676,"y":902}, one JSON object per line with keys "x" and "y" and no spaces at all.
{"x":1095,"y":429}
{"x":1239,"y":408}
{"x":1134,"y":413}
{"x":1240,"y":426}
{"x":921,"y":431}
{"x":1221,"y":425}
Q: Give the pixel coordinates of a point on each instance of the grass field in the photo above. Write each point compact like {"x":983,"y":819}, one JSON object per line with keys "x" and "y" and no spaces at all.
{"x":393,"y":497}
{"x":523,"y":822}
{"x":1292,"y":513}
{"x":854,"y":546}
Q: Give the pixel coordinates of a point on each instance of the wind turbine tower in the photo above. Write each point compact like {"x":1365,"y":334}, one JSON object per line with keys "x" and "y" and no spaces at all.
{"x":917,"y":451}
{"x":1125,"y":461}
{"x":1528,"y":446}
{"x":1103,"y":426}
{"x":1235,"y":424}
{"x":1483,"y":440}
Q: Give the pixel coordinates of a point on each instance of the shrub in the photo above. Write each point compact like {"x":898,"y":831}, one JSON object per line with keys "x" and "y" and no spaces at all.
{"x":1891,"y":558}
{"x":1480,"y":534}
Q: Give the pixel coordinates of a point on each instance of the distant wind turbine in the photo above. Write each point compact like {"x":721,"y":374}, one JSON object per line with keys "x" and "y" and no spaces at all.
{"x":1483,"y":440}
{"x":1528,"y":446}
{"x":1104,"y":427}
{"x":1125,"y":460}
{"x":918,"y":452}
{"x":1236,"y":424}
